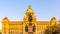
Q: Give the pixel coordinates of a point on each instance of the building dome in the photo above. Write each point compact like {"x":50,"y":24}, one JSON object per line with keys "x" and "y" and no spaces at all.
{"x":29,"y":10}
{"x":53,"y":18}
{"x":5,"y":19}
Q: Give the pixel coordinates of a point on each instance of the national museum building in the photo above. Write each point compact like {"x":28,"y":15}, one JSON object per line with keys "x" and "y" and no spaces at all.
{"x":29,"y":25}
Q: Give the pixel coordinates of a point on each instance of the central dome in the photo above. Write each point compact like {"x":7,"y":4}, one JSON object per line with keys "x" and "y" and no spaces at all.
{"x":29,"y":10}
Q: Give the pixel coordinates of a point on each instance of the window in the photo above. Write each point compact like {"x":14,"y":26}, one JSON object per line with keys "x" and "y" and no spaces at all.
{"x":30,"y":18}
{"x":4,"y":31}
{"x":30,"y":24}
{"x":20,"y":33}
{"x":26,"y":28}
{"x":30,"y":32}
{"x":34,"y":28}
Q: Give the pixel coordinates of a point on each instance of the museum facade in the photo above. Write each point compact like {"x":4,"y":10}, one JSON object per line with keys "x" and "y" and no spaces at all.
{"x":29,"y":25}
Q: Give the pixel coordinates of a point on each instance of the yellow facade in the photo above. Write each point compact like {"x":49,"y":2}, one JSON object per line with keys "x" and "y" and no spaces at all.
{"x":0,"y":31}
{"x":29,"y":25}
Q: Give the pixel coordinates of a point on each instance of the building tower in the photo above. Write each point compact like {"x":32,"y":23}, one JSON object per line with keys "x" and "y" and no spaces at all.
{"x":29,"y":23}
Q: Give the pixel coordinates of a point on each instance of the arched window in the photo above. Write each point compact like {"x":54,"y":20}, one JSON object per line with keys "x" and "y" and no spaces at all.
{"x":34,"y":28}
{"x":26,"y":28}
{"x":30,"y":17}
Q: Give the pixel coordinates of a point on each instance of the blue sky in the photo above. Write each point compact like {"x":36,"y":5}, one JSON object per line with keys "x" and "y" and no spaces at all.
{"x":15,"y":9}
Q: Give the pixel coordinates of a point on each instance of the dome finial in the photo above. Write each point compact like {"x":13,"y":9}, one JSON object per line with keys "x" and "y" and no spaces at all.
{"x":29,"y":7}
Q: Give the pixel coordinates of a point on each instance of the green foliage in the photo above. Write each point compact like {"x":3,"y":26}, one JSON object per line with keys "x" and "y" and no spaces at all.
{"x":55,"y":29}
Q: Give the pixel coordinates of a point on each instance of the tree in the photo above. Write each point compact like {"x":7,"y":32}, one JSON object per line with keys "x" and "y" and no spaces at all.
{"x":55,"y":29}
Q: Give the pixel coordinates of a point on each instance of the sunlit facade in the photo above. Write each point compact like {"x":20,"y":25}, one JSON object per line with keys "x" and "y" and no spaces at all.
{"x":0,"y":31}
{"x":29,"y":25}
